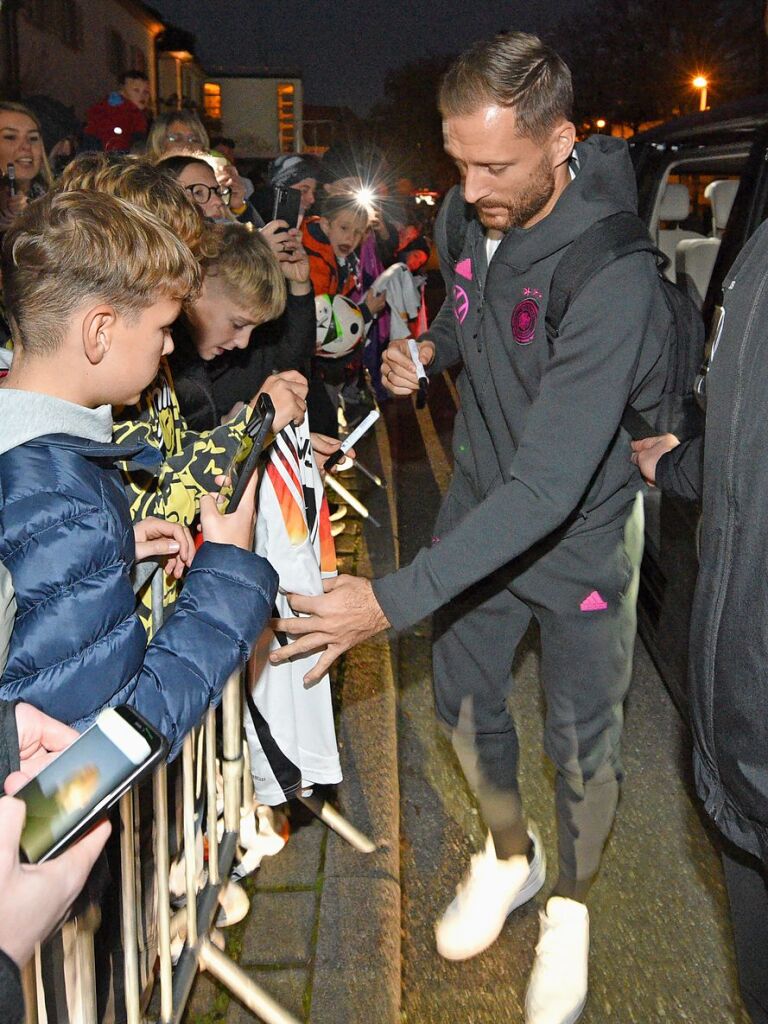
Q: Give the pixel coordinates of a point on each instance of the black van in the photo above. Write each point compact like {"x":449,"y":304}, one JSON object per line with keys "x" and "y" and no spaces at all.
{"x":703,"y":190}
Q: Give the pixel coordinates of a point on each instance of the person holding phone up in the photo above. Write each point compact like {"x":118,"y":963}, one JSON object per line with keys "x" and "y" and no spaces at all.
{"x":26,"y":174}
{"x":33,"y":899}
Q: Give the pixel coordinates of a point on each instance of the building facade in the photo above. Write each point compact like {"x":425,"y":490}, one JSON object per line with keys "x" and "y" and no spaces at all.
{"x":74,"y":50}
{"x":261,"y":110}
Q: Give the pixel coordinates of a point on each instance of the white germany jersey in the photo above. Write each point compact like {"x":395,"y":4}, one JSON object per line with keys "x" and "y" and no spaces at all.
{"x":289,"y":726}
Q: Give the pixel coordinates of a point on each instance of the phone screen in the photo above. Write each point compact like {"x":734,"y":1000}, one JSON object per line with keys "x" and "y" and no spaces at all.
{"x":80,"y":778}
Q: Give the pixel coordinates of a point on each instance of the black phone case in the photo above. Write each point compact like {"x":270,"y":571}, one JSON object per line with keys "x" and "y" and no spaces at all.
{"x":267,"y":413}
{"x":286,"y":205}
{"x":99,"y":812}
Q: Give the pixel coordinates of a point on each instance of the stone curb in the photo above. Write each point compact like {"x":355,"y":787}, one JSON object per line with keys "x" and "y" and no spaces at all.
{"x":357,"y":974}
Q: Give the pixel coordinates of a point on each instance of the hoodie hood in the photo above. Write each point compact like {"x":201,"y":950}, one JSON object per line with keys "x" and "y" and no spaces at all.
{"x":27,"y":415}
{"x":603,"y":183}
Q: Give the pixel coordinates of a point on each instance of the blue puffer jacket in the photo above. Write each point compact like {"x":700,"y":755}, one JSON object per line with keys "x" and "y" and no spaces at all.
{"x":67,"y":540}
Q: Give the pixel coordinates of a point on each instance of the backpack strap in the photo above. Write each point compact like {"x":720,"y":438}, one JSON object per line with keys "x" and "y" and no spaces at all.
{"x":620,"y":234}
{"x":452,"y":224}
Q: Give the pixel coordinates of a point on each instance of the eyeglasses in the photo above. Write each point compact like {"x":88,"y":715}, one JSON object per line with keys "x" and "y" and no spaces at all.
{"x":202,"y":193}
{"x":191,"y":138}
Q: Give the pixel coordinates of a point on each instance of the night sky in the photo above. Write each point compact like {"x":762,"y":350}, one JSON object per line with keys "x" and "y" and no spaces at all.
{"x":344,"y":48}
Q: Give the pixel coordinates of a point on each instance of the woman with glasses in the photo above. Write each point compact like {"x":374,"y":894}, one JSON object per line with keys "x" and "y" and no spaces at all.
{"x":180,"y":131}
{"x":196,"y":177}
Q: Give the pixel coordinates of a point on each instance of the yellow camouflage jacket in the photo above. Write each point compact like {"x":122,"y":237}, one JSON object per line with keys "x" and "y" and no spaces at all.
{"x":191,"y":463}
{"x":191,"y":460}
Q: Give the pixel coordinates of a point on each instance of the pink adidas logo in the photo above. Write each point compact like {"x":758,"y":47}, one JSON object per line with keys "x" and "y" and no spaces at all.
{"x":593,"y":603}
{"x":465,"y":269}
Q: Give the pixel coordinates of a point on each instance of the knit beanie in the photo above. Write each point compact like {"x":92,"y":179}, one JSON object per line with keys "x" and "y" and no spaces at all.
{"x":289,"y":169}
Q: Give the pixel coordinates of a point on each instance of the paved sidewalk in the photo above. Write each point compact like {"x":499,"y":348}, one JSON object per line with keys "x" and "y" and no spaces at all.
{"x":323,"y":933}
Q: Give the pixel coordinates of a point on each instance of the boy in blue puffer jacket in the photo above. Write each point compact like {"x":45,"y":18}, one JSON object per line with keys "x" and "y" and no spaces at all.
{"x":92,"y":285}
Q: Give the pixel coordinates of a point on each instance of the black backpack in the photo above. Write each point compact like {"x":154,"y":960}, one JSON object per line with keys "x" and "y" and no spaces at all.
{"x":620,"y":234}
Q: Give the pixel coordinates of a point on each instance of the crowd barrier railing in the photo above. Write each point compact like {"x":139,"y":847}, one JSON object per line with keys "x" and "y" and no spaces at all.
{"x":192,"y":927}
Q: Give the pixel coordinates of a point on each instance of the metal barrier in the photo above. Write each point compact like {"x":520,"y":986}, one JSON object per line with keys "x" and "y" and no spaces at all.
{"x":193,"y":924}
{"x":196,"y":922}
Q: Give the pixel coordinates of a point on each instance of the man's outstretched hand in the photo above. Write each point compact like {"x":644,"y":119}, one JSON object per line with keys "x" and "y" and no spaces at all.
{"x":345,"y":615}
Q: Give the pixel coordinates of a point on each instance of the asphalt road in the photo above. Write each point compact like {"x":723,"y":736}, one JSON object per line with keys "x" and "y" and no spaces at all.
{"x":660,"y":940}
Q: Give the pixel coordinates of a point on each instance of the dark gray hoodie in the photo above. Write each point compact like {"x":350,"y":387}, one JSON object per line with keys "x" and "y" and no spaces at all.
{"x":537,"y":438}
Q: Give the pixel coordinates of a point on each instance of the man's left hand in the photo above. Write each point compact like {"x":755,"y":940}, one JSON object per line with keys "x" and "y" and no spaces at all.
{"x":345,"y":615}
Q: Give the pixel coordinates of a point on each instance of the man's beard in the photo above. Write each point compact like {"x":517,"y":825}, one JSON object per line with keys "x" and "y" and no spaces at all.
{"x":526,"y":204}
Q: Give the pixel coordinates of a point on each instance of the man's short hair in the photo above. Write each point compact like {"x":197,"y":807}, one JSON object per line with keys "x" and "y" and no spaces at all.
{"x":247,"y":267}
{"x":512,"y":70}
{"x":132,"y":74}
{"x":70,"y":247}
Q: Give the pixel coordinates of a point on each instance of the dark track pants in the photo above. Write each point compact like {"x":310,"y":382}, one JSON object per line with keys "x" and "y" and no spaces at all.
{"x":582,"y":591}
{"x":747,"y":883}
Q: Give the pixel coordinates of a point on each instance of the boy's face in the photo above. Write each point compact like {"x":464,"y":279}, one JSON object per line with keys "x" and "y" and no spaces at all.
{"x":345,"y":232}
{"x":219,"y":322}
{"x":135,"y":348}
{"x":137,"y":91}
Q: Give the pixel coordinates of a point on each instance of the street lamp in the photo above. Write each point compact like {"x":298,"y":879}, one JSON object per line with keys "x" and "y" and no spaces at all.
{"x":701,"y":83}
{"x":600,"y":123}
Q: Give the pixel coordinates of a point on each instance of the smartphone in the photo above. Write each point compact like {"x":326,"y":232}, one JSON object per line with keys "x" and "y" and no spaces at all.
{"x":351,"y":440}
{"x":75,"y":791}
{"x":10,"y":174}
{"x":286,"y":205}
{"x":243,"y":463}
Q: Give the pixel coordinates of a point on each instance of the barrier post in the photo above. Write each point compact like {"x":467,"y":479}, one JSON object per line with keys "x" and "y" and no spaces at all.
{"x":190,"y":838}
{"x":29,"y":987}
{"x":129,"y":923}
{"x":211,"y":796}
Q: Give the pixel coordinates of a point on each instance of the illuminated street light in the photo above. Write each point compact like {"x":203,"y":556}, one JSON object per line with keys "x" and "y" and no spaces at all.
{"x":600,"y":123}
{"x":701,"y":83}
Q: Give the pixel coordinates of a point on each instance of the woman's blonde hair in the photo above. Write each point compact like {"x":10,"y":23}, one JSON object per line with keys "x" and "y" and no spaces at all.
{"x":45,"y":175}
{"x":157,"y":147}
{"x":143,"y":184}
{"x":247,"y":267}
{"x":69,"y":247}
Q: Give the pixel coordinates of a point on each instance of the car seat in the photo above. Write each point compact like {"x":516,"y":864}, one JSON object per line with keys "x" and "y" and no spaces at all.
{"x":695,"y":258}
{"x":675,"y":208}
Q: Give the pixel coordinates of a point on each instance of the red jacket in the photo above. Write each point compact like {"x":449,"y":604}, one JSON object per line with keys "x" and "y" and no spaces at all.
{"x":117,"y":123}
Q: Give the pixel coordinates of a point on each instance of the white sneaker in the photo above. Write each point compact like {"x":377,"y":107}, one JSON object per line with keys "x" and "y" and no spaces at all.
{"x":487,"y":894}
{"x":557,"y":990}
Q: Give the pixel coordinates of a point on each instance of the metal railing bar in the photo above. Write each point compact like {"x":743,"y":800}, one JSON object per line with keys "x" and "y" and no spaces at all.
{"x":162,"y":864}
{"x":232,"y":761}
{"x":210,"y":777}
{"x":207,"y":908}
{"x":129,"y":924}
{"x":190,"y":838}
{"x":242,"y":986}
{"x":333,"y":819}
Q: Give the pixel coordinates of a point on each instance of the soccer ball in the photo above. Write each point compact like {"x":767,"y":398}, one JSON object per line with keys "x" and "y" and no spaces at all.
{"x":340,"y":326}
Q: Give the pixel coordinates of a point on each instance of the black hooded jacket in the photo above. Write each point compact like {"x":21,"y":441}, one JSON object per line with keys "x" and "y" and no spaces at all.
{"x":729,"y":622}
{"x":537,"y":437}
